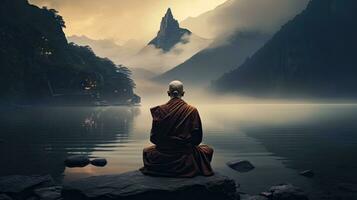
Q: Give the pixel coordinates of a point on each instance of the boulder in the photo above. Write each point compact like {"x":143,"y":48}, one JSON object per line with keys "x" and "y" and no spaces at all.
{"x":252,"y":197}
{"x":347,"y":187}
{"x":99,"y":162}
{"x":287,"y":192}
{"x":49,"y":193}
{"x":241,"y":165}
{"x":136,"y":186}
{"x":18,"y":186}
{"x":5,"y":197}
{"x":77,"y":161}
{"x":307,"y":173}
{"x":266,"y":194}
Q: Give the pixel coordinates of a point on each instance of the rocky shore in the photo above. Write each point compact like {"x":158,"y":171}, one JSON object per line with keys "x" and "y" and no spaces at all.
{"x":135,"y":186}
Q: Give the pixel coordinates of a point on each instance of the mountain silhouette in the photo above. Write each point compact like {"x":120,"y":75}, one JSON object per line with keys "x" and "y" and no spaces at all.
{"x":170,"y":33}
{"x":216,"y":59}
{"x":313,"y":55}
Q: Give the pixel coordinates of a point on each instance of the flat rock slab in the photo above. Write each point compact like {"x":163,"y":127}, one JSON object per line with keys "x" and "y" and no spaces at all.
{"x":5,"y":197}
{"x":136,"y":186}
{"x":17,"y":183}
{"x":49,"y":193}
{"x":287,"y":192}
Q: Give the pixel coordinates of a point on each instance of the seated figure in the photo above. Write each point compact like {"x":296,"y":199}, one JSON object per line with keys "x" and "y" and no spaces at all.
{"x":177,"y":134}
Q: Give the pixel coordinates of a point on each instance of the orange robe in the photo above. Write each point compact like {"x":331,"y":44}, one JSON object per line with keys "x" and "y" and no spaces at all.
{"x":177,"y":134}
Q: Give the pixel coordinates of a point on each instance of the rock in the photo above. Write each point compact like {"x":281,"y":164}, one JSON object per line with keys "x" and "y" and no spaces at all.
{"x":252,"y":197}
{"x":77,"y":161}
{"x":307,"y":173}
{"x":241,"y":165}
{"x":347,"y":187}
{"x":21,"y":186}
{"x":18,"y":183}
{"x":49,"y":193}
{"x":287,"y":192}
{"x":99,"y":162}
{"x":33,"y":198}
{"x":5,"y":197}
{"x":134,"y":186}
{"x":266,"y":194}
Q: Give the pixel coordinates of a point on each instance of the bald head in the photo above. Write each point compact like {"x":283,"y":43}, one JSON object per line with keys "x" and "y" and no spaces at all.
{"x":176,"y":89}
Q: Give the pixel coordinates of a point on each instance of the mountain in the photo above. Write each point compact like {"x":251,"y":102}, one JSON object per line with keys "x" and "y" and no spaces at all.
{"x":265,"y":16}
{"x":239,"y":29}
{"x":108,"y":48}
{"x":220,"y":57}
{"x":312,"y":55}
{"x":169,"y":34}
{"x":38,"y":65}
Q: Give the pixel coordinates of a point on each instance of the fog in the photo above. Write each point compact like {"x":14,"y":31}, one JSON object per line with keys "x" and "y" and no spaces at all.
{"x":249,"y":15}
{"x":156,"y":60}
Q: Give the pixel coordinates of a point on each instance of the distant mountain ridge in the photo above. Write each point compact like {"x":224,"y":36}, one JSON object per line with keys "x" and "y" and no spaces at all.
{"x":314,"y":54}
{"x":212,"y":62}
{"x":169,"y":34}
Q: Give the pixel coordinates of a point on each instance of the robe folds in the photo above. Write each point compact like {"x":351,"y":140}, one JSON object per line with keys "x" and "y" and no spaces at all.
{"x":177,"y":134}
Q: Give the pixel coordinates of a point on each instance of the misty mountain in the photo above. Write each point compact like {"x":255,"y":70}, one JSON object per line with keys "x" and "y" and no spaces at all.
{"x":244,"y":15}
{"x":108,"y":48}
{"x":313,"y":54}
{"x":220,"y":57}
{"x":37,"y":64}
{"x":169,"y":34}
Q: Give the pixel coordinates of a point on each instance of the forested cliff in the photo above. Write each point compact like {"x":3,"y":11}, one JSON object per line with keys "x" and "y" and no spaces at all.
{"x":37,"y":64}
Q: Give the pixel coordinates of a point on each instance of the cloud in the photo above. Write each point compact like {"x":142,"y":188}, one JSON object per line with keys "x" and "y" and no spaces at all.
{"x":156,"y":60}
{"x":135,"y":54}
{"x":249,"y":15}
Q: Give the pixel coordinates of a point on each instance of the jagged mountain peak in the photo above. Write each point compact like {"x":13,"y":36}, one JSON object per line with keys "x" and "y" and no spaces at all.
{"x":170,"y":33}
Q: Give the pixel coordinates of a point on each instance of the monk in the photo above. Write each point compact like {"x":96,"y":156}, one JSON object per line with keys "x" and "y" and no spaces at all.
{"x":177,"y":134}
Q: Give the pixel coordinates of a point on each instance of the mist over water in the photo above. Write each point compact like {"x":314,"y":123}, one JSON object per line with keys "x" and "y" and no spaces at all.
{"x":279,"y":139}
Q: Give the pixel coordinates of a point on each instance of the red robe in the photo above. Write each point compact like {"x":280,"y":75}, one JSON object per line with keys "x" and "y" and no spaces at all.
{"x":177,"y":134}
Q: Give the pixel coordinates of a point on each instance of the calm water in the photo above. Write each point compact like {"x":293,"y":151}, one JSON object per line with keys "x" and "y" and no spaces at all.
{"x":280,"y":140}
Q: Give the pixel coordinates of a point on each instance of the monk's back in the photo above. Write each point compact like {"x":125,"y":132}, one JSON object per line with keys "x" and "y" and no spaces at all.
{"x":174,"y":120}
{"x":176,"y":134}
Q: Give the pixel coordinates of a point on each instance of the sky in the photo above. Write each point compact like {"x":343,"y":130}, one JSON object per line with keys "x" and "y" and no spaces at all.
{"x":122,"y":20}
{"x":119,"y":29}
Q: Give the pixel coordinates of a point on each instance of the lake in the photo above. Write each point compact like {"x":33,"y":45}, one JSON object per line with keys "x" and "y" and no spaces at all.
{"x":279,"y":139}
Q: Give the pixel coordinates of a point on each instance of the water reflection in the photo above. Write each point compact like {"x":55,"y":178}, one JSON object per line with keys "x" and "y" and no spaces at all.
{"x":326,"y":144}
{"x":37,"y":140}
{"x":280,"y":140}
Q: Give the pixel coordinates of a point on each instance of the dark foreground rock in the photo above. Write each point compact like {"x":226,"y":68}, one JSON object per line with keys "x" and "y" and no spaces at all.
{"x":307,"y":173}
{"x":49,"y":193}
{"x":99,"y":162}
{"x":135,"y":186}
{"x":241,"y":165}
{"x":77,"y":161}
{"x":287,"y":192}
{"x":5,"y":197}
{"x":20,"y":187}
{"x":253,"y":197}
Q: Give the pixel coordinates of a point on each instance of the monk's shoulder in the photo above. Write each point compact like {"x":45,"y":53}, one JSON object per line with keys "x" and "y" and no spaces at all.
{"x":158,"y":112}
{"x":193,"y":109}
